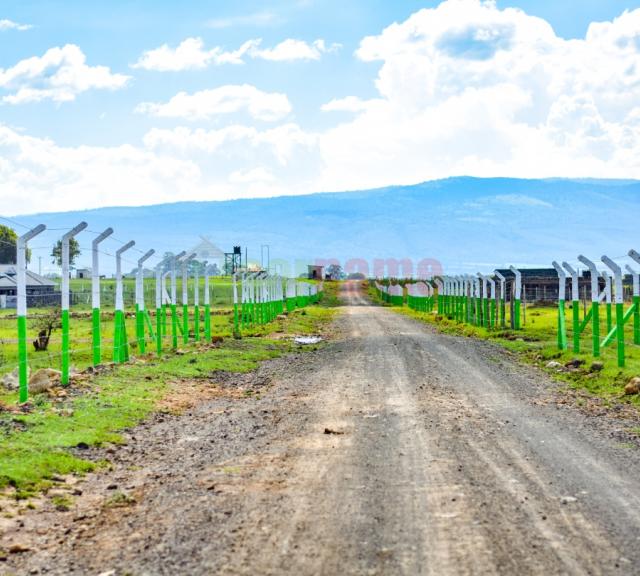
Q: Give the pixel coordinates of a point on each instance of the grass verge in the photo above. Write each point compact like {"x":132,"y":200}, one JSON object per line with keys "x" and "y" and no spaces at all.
{"x":44,"y":439}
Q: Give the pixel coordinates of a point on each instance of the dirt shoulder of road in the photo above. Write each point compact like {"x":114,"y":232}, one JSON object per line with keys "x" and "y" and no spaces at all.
{"x":57,"y":452}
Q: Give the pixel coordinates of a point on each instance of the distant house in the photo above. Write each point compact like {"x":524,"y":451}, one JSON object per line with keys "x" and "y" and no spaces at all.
{"x":40,"y":290}
{"x":83,"y":273}
{"x":542,"y":284}
{"x":538,"y":284}
{"x":315,"y":272}
{"x":207,"y":251}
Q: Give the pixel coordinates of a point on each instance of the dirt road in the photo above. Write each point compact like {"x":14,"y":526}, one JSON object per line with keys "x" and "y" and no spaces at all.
{"x":393,"y":450}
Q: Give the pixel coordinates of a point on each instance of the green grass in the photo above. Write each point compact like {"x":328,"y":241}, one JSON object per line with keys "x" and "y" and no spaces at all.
{"x":42,"y":443}
{"x":80,"y":330}
{"x":536,"y":344}
{"x":330,"y":298}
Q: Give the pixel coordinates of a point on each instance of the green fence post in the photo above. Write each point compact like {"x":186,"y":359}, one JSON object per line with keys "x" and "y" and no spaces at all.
{"x":517,"y":297}
{"x":95,"y":296}
{"x":467,"y":288}
{"x":635,"y":307}
{"x":562,"y":290}
{"x":617,"y":273}
{"x":166,"y":301}
{"x":607,"y":295}
{"x":475,"y":292}
{"x":66,"y":239}
{"x":595,"y":304}
{"x":636,"y":296}
{"x":440,"y":296}
{"x":64,"y":377}
{"x":140,"y":307}
{"x":120,"y":343}
{"x":159,"y":295}
{"x":185,"y":297}
{"x":492,"y":302}
{"x":207,"y":307}
{"x":485,"y":298}
{"x":236,"y":327}
{"x":575,"y":306}
{"x":196,"y":304}
{"x":502,"y":306}
{"x":21,"y":309}
{"x":174,"y":299}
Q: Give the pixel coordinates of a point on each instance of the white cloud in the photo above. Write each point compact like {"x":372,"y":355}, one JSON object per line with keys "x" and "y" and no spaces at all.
{"x":467,"y":88}
{"x":259,"y":174}
{"x":191,"y":54}
{"x":264,"y":18}
{"x":348,"y":104}
{"x":59,"y":75}
{"x":290,"y":50}
{"x":37,"y":175}
{"x":462,"y":89}
{"x":280,"y":145}
{"x":10,"y":25}
{"x":231,"y":99}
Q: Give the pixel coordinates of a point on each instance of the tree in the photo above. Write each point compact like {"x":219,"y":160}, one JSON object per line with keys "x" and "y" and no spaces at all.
{"x":45,"y":324}
{"x":334,"y":272}
{"x":74,"y":252}
{"x":167,"y":258}
{"x":9,"y":246}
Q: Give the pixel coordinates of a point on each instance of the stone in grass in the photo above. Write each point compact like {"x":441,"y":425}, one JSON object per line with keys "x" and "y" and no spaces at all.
{"x":11,"y":381}
{"x":119,"y":500}
{"x":44,"y":379}
{"x":596,"y":366}
{"x":575,"y":363}
{"x":633,"y":386}
{"x":555,"y":365}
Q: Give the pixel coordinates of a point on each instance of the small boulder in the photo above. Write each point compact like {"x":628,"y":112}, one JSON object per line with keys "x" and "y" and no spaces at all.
{"x":44,"y":379}
{"x":11,"y":380}
{"x":596,"y":366}
{"x":575,"y":363}
{"x":633,"y":386}
{"x":555,"y":365}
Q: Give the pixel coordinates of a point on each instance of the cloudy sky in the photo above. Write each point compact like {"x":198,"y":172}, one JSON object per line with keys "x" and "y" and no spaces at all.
{"x":121,"y":103}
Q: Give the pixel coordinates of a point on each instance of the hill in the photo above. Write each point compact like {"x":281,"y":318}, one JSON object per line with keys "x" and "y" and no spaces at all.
{"x":468,"y":224}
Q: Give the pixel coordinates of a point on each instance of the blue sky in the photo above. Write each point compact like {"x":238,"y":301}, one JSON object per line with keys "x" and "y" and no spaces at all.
{"x":485,"y":91}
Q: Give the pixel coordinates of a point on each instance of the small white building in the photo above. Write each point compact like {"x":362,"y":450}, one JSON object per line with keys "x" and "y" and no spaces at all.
{"x":207,"y":251}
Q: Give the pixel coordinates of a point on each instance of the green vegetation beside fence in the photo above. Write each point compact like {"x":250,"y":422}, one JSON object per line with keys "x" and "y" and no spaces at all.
{"x":45,"y":438}
{"x":537,"y":343}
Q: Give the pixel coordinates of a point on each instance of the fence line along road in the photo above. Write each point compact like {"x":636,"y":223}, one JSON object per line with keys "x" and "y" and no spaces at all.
{"x":477,"y":300}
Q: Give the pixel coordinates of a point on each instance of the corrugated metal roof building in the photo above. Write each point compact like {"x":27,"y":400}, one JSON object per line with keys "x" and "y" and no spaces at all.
{"x":40,"y":290}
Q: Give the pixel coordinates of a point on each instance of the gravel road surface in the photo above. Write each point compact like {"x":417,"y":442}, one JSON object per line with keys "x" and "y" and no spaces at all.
{"x":391,"y":450}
